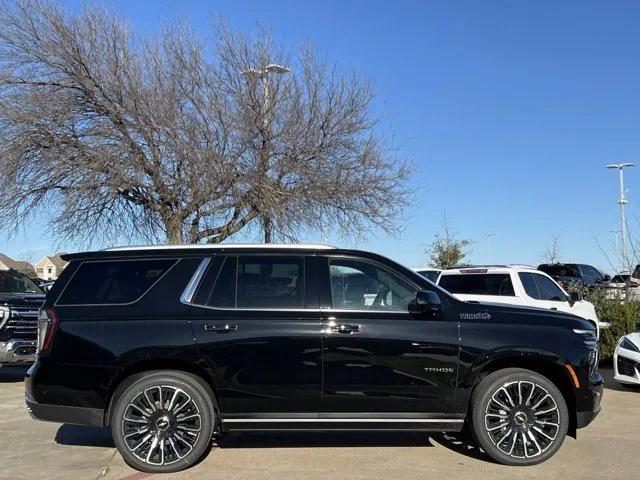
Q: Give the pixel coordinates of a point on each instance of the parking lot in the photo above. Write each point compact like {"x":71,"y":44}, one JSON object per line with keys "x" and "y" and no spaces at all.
{"x":30,"y":449}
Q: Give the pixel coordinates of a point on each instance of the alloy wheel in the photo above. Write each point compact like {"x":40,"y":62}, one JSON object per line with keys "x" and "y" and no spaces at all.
{"x":522,"y":419}
{"x":161,"y":425}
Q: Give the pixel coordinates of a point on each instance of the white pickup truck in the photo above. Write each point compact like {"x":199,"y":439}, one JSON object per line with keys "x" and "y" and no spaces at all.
{"x":515,"y":285}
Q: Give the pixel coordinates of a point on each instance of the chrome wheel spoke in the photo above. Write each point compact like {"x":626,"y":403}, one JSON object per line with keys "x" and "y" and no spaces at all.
{"x":522,"y":419}
{"x":161,"y":425}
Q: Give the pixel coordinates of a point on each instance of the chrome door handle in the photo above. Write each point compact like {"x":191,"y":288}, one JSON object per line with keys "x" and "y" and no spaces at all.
{"x":344,"y":328}
{"x":226,"y":328}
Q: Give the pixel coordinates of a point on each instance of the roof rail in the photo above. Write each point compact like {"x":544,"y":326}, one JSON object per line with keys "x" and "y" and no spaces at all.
{"x":265,"y":246}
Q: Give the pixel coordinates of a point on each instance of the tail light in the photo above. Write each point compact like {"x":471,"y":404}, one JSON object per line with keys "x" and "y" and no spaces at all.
{"x":47,"y":327}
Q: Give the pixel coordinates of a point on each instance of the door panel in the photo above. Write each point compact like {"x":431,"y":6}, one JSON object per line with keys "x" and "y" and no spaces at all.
{"x":392,"y":364}
{"x":265,"y":362}
{"x":378,"y":357}
{"x":265,"y":358}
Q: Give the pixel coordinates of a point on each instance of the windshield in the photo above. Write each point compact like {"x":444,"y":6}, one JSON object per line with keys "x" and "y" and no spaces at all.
{"x":16,"y":282}
{"x":430,"y":274}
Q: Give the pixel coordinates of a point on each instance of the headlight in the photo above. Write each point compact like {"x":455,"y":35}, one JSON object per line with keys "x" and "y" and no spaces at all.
{"x":629,"y":345}
{"x":5,"y":314}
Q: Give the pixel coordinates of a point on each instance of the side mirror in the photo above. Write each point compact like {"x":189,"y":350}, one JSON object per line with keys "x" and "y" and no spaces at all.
{"x":574,"y":297}
{"x":607,"y":278}
{"x":428,"y":302}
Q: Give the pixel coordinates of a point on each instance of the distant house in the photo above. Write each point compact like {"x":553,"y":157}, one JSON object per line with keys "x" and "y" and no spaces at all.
{"x":50,"y":267}
{"x":7,"y":263}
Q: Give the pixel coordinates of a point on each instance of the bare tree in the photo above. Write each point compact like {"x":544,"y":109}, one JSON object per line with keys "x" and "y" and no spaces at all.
{"x":551,"y":253}
{"x":446,"y":250}
{"x":164,"y":139}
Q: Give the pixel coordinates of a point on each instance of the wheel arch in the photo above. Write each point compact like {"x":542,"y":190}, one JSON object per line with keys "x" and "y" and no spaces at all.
{"x":131,"y":372}
{"x":548,"y":366}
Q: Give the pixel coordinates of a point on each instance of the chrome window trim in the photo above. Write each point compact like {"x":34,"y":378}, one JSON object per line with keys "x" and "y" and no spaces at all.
{"x":190,"y":290}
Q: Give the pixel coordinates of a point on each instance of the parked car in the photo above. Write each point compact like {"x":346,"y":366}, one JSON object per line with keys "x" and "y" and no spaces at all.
{"x":623,"y":285}
{"x":172,"y":344}
{"x":575,"y":273}
{"x":429,"y":273}
{"x":626,"y":359}
{"x":20,"y":300}
{"x":515,"y":285}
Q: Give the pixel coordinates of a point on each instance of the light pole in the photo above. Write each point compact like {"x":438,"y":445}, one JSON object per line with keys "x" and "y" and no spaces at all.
{"x":622,"y":202}
{"x":489,"y":235}
{"x":262,"y":74}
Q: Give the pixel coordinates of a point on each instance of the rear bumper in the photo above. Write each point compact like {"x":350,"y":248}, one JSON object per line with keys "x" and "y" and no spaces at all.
{"x":63,"y":414}
{"x":17,"y":352}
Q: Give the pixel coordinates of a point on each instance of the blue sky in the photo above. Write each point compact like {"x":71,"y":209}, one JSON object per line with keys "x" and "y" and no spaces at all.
{"x":508,"y":109}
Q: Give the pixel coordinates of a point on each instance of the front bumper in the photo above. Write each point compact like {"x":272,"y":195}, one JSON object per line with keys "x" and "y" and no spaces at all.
{"x":17,"y":352}
{"x":626,"y":366}
{"x":589,"y":406}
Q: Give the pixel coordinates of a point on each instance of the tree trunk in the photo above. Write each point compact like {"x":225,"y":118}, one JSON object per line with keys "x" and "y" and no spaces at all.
{"x":266,"y":226}
{"x":173,"y":228}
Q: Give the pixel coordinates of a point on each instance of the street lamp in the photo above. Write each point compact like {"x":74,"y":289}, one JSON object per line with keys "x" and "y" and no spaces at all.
{"x":622,"y":201}
{"x":489,"y":235}
{"x":262,"y":74}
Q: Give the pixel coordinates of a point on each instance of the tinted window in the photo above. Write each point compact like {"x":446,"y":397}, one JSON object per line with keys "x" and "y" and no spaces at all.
{"x":429,"y":274}
{"x":114,"y":282}
{"x":559,"y":270}
{"x":529,"y":285}
{"x":591,"y":273}
{"x":16,"y":282}
{"x":268,"y":282}
{"x":360,"y":285}
{"x":478,"y":284}
{"x":549,"y":290}
{"x":223,"y":294}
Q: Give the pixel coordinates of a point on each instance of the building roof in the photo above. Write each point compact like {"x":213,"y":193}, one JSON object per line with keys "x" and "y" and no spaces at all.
{"x":19,"y":265}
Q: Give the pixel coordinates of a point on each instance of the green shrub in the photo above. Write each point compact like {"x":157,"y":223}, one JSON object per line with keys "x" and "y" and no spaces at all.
{"x":620,"y":313}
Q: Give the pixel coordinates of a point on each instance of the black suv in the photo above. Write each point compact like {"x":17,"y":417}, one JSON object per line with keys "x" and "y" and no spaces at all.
{"x":169,"y":345}
{"x":20,"y":300}
{"x":575,"y":273}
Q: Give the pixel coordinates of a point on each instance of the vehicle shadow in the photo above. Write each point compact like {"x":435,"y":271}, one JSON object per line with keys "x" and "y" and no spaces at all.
{"x":12,"y":374}
{"x":80,"y":435}
{"x":461,"y":443}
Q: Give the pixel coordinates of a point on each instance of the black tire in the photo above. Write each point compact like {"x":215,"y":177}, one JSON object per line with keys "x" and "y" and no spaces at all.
{"x":525,"y":426}
{"x":178,"y":428}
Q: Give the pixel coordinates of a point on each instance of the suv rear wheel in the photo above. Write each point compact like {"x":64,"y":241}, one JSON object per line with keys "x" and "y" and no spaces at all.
{"x":519,"y":417}
{"x":163,"y":422}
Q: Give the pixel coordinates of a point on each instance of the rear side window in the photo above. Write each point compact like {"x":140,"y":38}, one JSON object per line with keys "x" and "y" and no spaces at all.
{"x":498,"y":284}
{"x":113,"y":282}
{"x":270,"y":282}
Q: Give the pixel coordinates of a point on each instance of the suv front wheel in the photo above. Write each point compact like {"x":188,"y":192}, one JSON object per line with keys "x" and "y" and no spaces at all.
{"x":519,"y":417}
{"x":163,"y":422}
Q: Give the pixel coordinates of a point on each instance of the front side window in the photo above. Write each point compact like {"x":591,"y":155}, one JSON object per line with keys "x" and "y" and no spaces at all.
{"x":549,"y":290}
{"x":360,"y":285}
{"x":113,"y":282}
{"x":496,"y":284}
{"x":529,"y":284}
{"x":270,"y":282}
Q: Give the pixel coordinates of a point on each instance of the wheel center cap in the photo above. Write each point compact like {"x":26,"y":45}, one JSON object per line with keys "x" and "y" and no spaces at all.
{"x":520,"y":418}
{"x":163,"y":423}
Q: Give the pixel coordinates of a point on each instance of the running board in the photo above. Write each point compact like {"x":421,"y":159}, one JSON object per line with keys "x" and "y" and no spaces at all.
{"x":341,"y":422}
